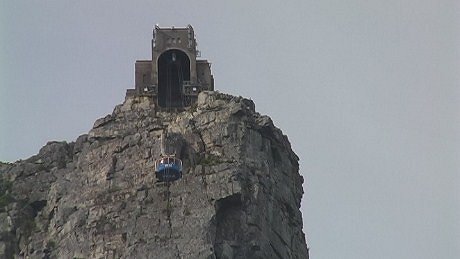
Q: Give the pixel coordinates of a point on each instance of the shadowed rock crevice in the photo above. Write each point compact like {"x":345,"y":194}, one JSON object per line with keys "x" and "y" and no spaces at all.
{"x":229,"y":217}
{"x":37,"y":206}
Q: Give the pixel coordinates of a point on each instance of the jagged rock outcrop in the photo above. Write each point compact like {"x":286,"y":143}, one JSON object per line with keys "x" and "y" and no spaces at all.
{"x":98,"y":197}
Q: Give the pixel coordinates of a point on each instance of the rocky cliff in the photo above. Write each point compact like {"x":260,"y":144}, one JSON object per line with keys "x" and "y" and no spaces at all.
{"x":98,"y":197}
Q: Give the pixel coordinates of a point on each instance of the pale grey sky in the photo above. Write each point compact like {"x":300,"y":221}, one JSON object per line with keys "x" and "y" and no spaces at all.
{"x":367,"y":91}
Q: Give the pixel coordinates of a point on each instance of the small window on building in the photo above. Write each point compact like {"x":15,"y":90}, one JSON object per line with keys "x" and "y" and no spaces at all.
{"x":179,"y":41}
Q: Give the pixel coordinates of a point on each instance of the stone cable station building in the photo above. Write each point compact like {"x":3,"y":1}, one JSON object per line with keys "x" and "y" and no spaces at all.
{"x":174,"y":76}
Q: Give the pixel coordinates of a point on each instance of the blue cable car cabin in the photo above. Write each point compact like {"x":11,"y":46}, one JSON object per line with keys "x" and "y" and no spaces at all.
{"x":168,"y":169}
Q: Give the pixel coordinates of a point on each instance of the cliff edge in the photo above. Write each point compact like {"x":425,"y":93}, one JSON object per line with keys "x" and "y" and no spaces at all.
{"x":98,"y":197}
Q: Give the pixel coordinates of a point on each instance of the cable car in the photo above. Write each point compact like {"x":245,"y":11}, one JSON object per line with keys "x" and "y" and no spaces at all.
{"x":168,"y":168}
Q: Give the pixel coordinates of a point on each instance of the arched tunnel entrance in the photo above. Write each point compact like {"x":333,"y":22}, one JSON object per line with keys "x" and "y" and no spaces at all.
{"x":173,"y":70}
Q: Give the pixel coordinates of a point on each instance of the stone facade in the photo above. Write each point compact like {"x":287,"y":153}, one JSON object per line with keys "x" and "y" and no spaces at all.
{"x":174,"y":76}
{"x":97,"y":197}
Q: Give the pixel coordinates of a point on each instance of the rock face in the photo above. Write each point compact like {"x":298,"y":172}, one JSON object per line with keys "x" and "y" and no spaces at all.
{"x":98,"y":197}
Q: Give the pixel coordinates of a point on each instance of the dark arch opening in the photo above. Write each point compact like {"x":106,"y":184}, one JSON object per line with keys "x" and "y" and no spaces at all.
{"x":173,"y":70}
